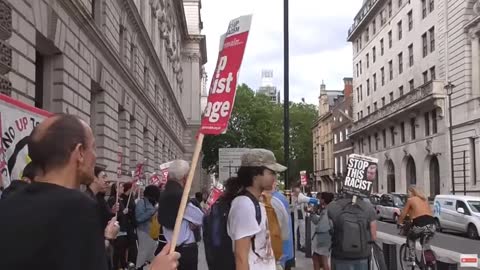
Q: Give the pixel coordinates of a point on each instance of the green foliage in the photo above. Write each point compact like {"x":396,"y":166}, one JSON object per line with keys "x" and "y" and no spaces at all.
{"x":256,"y":122}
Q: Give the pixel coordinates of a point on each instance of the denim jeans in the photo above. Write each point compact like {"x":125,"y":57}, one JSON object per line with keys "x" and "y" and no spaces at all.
{"x":349,"y":264}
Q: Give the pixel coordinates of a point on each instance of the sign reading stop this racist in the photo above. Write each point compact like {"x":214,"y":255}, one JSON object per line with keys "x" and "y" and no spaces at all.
{"x":361,"y":175}
{"x":224,"y":82}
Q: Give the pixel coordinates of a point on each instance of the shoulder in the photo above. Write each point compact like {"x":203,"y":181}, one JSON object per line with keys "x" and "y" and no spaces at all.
{"x":242,"y":201}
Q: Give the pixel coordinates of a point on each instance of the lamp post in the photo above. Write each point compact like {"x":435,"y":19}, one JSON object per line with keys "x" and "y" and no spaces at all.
{"x":449,"y":88}
{"x":286,"y":98}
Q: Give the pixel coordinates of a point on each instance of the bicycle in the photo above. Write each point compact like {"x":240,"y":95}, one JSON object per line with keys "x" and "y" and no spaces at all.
{"x":427,"y":259}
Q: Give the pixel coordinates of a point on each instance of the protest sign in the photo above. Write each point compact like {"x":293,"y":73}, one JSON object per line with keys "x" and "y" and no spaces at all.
{"x":224,"y":82}
{"x":361,"y":174}
{"x":303,"y":178}
{"x":164,"y":173}
{"x":17,"y":122}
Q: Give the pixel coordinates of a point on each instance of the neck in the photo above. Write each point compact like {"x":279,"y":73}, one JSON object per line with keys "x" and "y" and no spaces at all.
{"x":62,"y":177}
{"x":255,"y":191}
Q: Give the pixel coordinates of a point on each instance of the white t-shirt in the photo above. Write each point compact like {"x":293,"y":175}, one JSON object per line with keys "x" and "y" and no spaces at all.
{"x":242,"y":223}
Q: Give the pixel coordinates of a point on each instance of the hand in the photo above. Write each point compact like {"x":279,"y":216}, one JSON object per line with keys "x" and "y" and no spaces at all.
{"x":125,"y":211}
{"x":112,"y":229}
{"x":165,"y":261}
{"x":156,"y":206}
{"x":115,"y":208}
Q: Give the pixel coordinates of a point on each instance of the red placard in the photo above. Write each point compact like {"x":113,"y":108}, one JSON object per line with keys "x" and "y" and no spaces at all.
{"x":224,"y":82}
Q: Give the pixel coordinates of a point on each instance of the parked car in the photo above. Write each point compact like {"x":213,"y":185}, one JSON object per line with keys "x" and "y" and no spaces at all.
{"x":391,"y":205}
{"x":458,"y":213}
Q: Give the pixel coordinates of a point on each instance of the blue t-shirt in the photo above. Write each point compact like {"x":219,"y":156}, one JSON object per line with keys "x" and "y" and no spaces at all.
{"x":287,"y":244}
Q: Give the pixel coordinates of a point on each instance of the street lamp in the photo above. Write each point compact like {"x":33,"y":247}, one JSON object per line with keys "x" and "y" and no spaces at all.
{"x":449,"y":88}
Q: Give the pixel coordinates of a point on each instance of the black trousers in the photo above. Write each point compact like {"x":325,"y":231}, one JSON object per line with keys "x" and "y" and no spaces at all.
{"x":120,"y":247}
{"x":188,"y":257}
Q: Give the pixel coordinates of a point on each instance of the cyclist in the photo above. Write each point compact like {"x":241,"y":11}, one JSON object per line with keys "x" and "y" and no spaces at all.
{"x":423,"y":224}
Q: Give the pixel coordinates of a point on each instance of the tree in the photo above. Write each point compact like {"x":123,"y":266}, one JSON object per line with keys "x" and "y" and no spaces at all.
{"x":256,"y":122}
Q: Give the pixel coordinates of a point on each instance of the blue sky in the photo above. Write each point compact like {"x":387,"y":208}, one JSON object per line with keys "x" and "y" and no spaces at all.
{"x":318,"y":46}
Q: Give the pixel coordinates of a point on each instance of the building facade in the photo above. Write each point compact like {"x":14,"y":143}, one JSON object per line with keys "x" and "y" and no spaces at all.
{"x":323,"y":162}
{"x":399,"y":98}
{"x":268,"y":88}
{"x":132,"y":68}
{"x":341,"y":129}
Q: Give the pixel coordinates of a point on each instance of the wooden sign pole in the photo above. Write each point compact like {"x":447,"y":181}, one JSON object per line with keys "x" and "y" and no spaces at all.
{"x":186,"y":192}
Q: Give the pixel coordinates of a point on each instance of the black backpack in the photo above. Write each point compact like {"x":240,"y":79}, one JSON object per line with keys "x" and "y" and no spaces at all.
{"x":218,"y":244}
{"x":351,"y":232}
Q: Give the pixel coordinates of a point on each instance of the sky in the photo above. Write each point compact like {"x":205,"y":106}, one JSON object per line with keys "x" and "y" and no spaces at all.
{"x":318,"y":42}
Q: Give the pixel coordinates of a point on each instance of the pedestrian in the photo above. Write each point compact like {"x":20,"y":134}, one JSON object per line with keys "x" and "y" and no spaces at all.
{"x":298,"y":209}
{"x":321,"y":239}
{"x":169,"y":204}
{"x":354,"y":228}
{"x":50,"y":224}
{"x":288,"y":256}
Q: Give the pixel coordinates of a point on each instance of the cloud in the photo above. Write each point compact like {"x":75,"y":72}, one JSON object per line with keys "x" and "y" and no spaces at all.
{"x":317,"y":33}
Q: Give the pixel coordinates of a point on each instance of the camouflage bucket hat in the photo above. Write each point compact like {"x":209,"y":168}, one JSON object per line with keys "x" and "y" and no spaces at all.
{"x":261,"y":158}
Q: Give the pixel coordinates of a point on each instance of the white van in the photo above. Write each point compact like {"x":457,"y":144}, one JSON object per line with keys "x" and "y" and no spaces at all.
{"x":458,"y":213}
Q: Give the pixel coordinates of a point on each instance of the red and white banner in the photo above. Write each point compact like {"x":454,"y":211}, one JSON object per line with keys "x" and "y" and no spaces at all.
{"x":164,"y":173}
{"x":303,"y":178}
{"x":155,"y":179}
{"x":224,"y":82}
{"x":138,"y":173}
{"x":215,"y":193}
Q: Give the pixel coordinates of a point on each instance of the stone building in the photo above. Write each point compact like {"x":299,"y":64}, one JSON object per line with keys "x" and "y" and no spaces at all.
{"x":341,"y":128}
{"x":323,"y":141}
{"x":132,"y":68}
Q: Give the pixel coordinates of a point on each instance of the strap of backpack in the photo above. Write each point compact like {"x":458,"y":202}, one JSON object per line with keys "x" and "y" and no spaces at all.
{"x":258,"y":215}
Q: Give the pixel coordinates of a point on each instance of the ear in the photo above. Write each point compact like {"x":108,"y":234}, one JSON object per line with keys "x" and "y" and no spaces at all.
{"x":79,"y":152}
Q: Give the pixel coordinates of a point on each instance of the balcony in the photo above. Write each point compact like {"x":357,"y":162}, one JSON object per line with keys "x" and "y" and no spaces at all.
{"x":428,"y":95}
{"x":368,"y":8}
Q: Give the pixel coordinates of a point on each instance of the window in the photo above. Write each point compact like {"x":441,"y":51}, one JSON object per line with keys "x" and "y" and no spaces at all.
{"x":374,"y":26}
{"x":390,"y":9}
{"x":412,"y":129}
{"x":400,"y":91}
{"x":461,"y":204}
{"x":382,"y":70}
{"x":358,"y":115}
{"x":431,"y":5}
{"x":431,"y":33}
{"x":390,"y":39}
{"x":432,"y":73}
{"x":322,"y":157}
{"x":410,"y":55}
{"x":425,"y":77}
{"x":40,"y":73}
{"x":402,"y":132}
{"x":426,"y":116}
{"x":400,"y":63}
{"x":375,"y":106}
{"x":434,"y":122}
{"x":361,"y":145}
{"x":368,"y":87}
{"x":473,"y":161}
{"x":368,"y":110}
{"x":399,"y":3}
{"x":361,"y":114}
{"x":382,"y":17}
{"x":369,"y":144}
{"x":424,"y":9}
{"x":358,"y":95}
{"x":382,"y":51}
{"x":391,"y":97}
{"x":399,"y":26}
{"x":390,"y":69}
{"x":424,"y":45}
{"x":383,"y":101}
{"x":360,"y":65}
{"x":360,"y":42}
{"x":411,"y":85}
{"x":410,"y":20}
{"x":368,"y":60}
{"x":392,"y":135}
{"x":374,"y":57}
{"x":384,"y":138}
{"x":341,"y":165}
{"x":358,"y":45}
{"x":336,"y":165}
{"x":346,"y":134}
{"x":357,"y":69}
{"x":367,"y":35}
{"x":375,"y":137}
{"x":341,"y":136}
{"x":361,"y":92}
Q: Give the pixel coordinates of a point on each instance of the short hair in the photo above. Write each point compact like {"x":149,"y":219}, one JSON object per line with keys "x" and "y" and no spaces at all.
{"x":30,"y":171}
{"x":177,"y":170}
{"x":199,"y":196}
{"x":152,"y":192}
{"x":51,"y":146}
{"x":98,"y":169}
{"x":327,"y":197}
{"x":127,"y":186}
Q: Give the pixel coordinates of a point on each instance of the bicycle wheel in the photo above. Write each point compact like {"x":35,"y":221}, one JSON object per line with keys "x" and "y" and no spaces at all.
{"x":405,"y":264}
{"x":421,"y":262}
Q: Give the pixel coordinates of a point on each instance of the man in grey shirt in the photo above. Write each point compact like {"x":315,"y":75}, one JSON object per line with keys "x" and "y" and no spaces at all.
{"x":335,"y":209}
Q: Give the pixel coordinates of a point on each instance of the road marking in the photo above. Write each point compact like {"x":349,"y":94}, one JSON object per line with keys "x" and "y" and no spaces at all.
{"x":441,"y":252}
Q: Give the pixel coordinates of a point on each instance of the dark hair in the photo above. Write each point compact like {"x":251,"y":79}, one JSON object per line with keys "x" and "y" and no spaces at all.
{"x":98,"y":169}
{"x":51,"y":146}
{"x":152,"y":193}
{"x":199,"y":196}
{"x":127,"y":186}
{"x":234,"y":185}
{"x":327,"y":197}
{"x":30,"y":171}
{"x":113,"y":191}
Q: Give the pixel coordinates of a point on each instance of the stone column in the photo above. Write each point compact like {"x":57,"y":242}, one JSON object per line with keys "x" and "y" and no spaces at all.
{"x":136,"y":143}
{"x":124,"y":139}
{"x":148,"y":150}
{"x":106,"y":130}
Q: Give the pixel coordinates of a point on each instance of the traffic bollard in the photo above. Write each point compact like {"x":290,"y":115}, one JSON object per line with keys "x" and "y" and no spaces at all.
{"x":390,"y":255}
{"x":446,"y":264}
{"x":308,"y":236}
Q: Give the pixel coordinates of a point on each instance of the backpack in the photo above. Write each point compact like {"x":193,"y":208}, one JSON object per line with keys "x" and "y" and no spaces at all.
{"x":218,"y":244}
{"x":351,"y":233}
{"x":273,"y":227}
{"x":154,"y":227}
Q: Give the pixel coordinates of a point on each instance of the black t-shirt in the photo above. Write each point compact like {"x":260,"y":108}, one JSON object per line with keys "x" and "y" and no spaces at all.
{"x":46,"y":226}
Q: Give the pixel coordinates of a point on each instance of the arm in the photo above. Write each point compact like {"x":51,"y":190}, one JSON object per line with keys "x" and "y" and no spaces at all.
{"x":373,"y":230}
{"x":242,"y":248}
{"x":405,"y":211}
{"x":193,"y":214}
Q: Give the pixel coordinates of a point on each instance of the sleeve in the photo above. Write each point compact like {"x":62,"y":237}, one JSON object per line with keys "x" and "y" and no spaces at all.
{"x":80,"y":225}
{"x":193,"y":214}
{"x":142,"y":212}
{"x":241,"y":219}
{"x":372,"y":215}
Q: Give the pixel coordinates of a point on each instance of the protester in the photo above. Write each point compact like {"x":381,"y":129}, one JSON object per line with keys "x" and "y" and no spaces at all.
{"x":299,"y":216}
{"x":247,"y":220}
{"x":66,"y":233}
{"x":354,"y":227}
{"x":169,"y":204}
{"x":321,"y":239}
{"x":145,"y":211}
{"x":288,"y":256}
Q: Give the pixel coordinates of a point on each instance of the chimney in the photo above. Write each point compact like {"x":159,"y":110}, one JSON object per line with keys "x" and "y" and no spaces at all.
{"x":348,"y":87}
{"x":322,"y":89}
